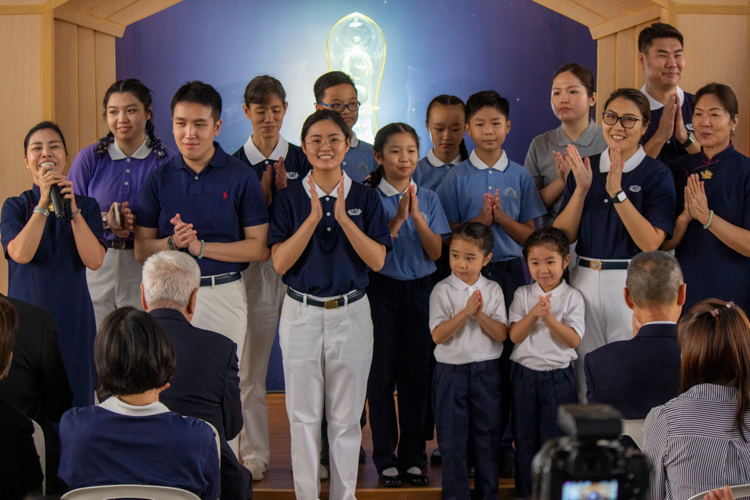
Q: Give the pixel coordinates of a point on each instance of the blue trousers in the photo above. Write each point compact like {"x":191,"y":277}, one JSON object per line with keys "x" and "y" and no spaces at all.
{"x":402,"y":347}
{"x":466,"y":401}
{"x":536,"y":398}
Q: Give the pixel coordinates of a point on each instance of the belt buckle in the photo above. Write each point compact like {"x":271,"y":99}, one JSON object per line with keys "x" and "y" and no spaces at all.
{"x":118,"y":245}
{"x":331,"y":304}
{"x":596,"y":265}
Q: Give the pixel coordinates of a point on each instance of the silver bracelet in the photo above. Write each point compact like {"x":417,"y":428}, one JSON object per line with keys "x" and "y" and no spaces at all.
{"x":41,"y":210}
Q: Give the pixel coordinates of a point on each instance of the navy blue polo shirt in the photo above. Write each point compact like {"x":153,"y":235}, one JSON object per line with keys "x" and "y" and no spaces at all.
{"x":710,"y":267}
{"x":648,"y":184}
{"x":328,"y":266}
{"x":672,"y":149}
{"x":295,"y":161}
{"x":220,"y":201}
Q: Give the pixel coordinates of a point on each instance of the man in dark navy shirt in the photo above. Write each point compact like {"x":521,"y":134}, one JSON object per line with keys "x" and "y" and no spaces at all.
{"x":209,"y":204}
{"x":205,"y":384}
{"x":636,"y":375}
{"x":670,"y":132}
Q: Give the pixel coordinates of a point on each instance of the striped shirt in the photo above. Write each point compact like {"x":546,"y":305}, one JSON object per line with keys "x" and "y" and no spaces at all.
{"x":693,"y":445}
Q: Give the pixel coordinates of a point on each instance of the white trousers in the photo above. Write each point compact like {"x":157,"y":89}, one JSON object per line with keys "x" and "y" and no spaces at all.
{"x":327,"y":355}
{"x":265,"y":295}
{"x":223,"y":309}
{"x":608,"y":318}
{"x":116,"y":284}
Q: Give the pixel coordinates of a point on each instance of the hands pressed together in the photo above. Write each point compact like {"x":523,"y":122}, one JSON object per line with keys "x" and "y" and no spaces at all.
{"x":474,"y":305}
{"x":543,"y":308}
{"x":185,"y":236}
{"x":280,"y":181}
{"x":492,"y":209}
{"x":696,"y":203}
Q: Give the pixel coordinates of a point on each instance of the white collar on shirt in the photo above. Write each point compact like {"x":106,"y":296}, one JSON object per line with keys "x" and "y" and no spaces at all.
{"x":141,"y":154}
{"x":605,"y":162}
{"x":501,"y":164}
{"x":321,"y":193}
{"x":437,"y":162}
{"x":354,"y":142}
{"x":660,"y":323}
{"x":255,"y":156}
{"x":388,"y":190}
{"x":556,"y":292}
{"x":461,"y":285}
{"x":121,"y":408}
{"x":654,"y":104}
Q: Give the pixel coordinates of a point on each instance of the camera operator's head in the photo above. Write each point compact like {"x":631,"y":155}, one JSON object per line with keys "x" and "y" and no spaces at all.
{"x":654,"y":289}
{"x":170,"y":281}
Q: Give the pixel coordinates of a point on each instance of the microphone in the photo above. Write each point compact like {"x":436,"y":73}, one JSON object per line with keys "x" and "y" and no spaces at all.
{"x":57,"y":199}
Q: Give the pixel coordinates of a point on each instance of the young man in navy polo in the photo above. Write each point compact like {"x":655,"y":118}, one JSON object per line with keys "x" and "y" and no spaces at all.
{"x":670,"y":132}
{"x":209,"y":204}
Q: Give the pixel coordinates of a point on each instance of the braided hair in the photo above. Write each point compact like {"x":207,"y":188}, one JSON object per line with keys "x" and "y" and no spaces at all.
{"x":143,"y":94}
{"x":379,"y":146}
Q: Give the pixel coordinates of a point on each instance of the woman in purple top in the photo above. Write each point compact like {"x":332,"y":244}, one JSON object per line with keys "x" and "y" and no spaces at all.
{"x":112,"y":171}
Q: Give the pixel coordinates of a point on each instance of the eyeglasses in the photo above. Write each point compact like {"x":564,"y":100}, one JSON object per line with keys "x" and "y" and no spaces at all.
{"x":335,"y":143}
{"x":339,"y":108}
{"x":627,"y":121}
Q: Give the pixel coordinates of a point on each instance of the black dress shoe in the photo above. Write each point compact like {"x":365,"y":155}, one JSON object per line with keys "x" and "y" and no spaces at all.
{"x":362,"y":456}
{"x":508,"y":469}
{"x":415,"y":479}
{"x":437,"y":457}
{"x":390,"y":481}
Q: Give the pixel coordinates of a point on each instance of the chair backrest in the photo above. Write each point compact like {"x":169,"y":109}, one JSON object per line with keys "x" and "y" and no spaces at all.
{"x":140,"y":491}
{"x":740,"y":491}
{"x":634,"y":429}
{"x":41,"y":451}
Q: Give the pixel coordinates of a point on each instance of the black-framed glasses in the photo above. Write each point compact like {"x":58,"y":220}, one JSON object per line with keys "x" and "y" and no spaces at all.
{"x":339,"y":108}
{"x":628,"y":122}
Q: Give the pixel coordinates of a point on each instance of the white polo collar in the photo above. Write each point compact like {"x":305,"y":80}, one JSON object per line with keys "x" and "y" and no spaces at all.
{"x":605,"y":162}
{"x":501,"y":164}
{"x":141,"y":153}
{"x":437,"y":162}
{"x":654,"y":104}
{"x":321,"y":193}
{"x":556,"y":292}
{"x":255,"y":156}
{"x":354,"y":141}
{"x":387,"y":189}
{"x":659,"y":323}
{"x":121,"y":408}
{"x":457,"y":282}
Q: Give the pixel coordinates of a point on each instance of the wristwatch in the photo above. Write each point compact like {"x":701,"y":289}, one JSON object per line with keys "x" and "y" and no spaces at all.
{"x":170,"y":243}
{"x":619,"y":197}
{"x":41,"y":210}
{"x":690,"y":140}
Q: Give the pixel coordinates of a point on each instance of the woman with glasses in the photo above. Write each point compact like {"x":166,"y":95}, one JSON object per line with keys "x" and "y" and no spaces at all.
{"x":615,"y":205}
{"x":325,"y":232}
{"x":712,"y":234}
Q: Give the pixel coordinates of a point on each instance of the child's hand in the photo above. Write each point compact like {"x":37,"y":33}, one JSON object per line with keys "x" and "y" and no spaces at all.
{"x":473,"y":305}
{"x":487,"y":215}
{"x":497,"y":208}
{"x":411,"y":193}
{"x":543,"y":308}
{"x":404,"y":207}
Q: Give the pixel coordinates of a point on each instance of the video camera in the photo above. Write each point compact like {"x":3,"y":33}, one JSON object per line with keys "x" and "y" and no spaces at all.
{"x":590,"y":463}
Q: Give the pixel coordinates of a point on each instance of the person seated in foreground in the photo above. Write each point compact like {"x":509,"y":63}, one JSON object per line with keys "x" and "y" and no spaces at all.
{"x":637,"y":374}
{"x":132,"y":438}
{"x":699,"y":440}
{"x":205,"y":384}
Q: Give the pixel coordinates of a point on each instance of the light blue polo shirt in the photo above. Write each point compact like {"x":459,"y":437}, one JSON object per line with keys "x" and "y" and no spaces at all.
{"x":431,"y":170}
{"x":408,"y":260}
{"x":462,"y":196}
{"x":359,"y":161}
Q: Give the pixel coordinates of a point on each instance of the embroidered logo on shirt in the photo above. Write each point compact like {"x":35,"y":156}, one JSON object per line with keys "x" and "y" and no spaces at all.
{"x":354,"y":211}
{"x":706,"y":174}
{"x":362,"y":167}
{"x":292,"y":175}
{"x":510,"y":192}
{"x":689,"y":126}
{"x":635,"y":188}
{"x":225,"y":195}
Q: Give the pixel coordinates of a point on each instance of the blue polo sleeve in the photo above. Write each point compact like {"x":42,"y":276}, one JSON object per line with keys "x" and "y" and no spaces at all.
{"x":375,"y":220}
{"x":448,"y":194}
{"x":12,"y":220}
{"x":253,"y":209}
{"x":437,"y":220}
{"x":82,"y":170}
{"x":570,"y":187}
{"x":282,"y":223}
{"x":659,"y":204}
{"x":149,"y":207}
{"x":90,"y":211}
{"x":531,"y":203}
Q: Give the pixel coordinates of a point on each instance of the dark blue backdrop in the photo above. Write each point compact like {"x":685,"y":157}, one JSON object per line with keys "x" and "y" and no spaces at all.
{"x":433,"y":47}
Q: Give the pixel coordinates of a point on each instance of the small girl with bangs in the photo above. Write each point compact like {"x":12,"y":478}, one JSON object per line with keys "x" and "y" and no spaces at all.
{"x":399,"y":298}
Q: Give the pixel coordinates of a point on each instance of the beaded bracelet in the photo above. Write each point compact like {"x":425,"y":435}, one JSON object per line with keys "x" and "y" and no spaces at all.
{"x":710,"y":218}
{"x":203,"y":249}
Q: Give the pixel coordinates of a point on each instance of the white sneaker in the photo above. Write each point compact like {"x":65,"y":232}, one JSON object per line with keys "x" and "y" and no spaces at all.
{"x":256,"y":468}
{"x":323,"y":473}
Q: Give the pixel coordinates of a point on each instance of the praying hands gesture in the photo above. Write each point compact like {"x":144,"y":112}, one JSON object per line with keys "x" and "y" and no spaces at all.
{"x":543,"y":308}
{"x":280,"y":179}
{"x":185,"y":236}
{"x":696,"y":201}
{"x":614,"y":177}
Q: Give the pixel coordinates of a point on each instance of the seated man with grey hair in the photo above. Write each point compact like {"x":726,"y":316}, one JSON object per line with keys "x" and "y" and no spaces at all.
{"x":205,"y":383}
{"x":636,"y":375}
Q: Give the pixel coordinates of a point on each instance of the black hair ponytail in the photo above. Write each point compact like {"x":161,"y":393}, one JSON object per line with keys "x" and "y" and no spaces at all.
{"x":463,"y":151}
